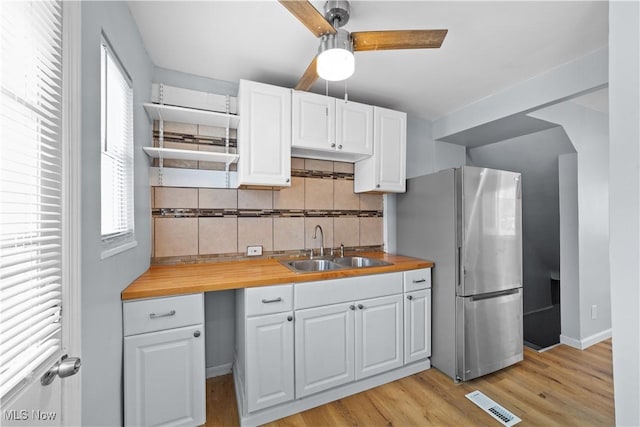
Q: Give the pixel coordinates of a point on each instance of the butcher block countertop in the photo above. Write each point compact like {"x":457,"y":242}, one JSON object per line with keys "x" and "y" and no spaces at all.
{"x":166,"y":280}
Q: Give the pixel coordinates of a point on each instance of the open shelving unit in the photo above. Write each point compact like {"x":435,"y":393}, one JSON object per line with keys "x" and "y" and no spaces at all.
{"x":162,"y":111}
{"x":171,"y":113}
{"x":203,"y":156}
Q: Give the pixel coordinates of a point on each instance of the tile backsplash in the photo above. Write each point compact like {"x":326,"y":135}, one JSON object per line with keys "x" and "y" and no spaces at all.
{"x":191,"y":224}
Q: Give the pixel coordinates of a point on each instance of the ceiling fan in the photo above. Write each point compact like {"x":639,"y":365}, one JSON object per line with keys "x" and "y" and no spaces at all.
{"x":334,"y":60}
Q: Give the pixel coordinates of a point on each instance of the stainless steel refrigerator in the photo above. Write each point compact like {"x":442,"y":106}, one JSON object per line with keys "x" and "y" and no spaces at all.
{"x":468,"y":221}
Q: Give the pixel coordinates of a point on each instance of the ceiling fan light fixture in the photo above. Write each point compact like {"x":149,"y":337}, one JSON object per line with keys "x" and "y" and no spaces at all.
{"x":335,"y":56}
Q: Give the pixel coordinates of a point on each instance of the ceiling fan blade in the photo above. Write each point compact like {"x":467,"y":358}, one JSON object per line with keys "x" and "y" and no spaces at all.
{"x":397,"y":39}
{"x":309,"y":77}
{"x":309,"y":16}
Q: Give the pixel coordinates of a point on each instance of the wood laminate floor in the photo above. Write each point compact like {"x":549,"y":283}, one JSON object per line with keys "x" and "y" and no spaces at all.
{"x":560,"y":387}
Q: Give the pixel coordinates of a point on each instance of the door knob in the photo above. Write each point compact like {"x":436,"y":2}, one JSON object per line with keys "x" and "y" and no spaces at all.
{"x":66,"y":367}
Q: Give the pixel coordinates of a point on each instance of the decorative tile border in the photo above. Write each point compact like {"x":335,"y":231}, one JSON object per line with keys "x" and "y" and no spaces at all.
{"x":198,"y":259}
{"x":261,"y":213}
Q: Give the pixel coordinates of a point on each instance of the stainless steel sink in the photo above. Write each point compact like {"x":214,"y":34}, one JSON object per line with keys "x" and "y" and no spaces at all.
{"x":328,"y":264}
{"x":359,"y":262}
{"x":312,"y":265}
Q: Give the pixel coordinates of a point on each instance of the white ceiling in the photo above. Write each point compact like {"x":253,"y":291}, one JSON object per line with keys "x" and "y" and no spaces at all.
{"x":490,"y":46}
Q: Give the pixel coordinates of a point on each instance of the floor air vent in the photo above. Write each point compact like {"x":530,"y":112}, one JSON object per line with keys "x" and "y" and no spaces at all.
{"x":492,"y":408}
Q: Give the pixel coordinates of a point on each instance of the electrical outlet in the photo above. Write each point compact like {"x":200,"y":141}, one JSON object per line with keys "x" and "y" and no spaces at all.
{"x":594,"y":311}
{"x":254,"y":250}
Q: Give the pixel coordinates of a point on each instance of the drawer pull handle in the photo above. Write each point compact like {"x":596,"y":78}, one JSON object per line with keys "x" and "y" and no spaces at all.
{"x":269,"y":301}
{"x":167,"y":314}
{"x":420,"y":281}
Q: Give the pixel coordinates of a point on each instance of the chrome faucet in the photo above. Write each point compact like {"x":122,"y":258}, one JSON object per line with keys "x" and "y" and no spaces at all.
{"x":315,"y":233}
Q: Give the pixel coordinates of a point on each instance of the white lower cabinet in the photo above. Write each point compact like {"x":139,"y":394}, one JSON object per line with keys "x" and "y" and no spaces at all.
{"x":417,"y":324}
{"x":324,"y":348}
{"x":164,"y":362}
{"x":269,"y":378}
{"x":379,"y":335}
{"x":298,"y":346}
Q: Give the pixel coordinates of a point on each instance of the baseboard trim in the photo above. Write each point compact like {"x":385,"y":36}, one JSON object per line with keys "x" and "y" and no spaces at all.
{"x":586,"y":342}
{"x":216,"y":371}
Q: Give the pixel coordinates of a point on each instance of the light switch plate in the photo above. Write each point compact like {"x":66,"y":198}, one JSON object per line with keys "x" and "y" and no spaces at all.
{"x":254,"y":250}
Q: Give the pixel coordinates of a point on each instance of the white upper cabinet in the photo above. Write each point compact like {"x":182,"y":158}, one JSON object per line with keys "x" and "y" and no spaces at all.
{"x":331,"y":129}
{"x":264,"y":135}
{"x":354,"y":128}
{"x":314,"y":123}
{"x":385,"y":170}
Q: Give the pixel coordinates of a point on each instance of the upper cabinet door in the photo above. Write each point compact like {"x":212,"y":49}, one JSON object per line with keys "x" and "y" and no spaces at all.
{"x":385,"y":170}
{"x":314,"y":124}
{"x":390,"y":141}
{"x":354,"y":127}
{"x":264,"y":135}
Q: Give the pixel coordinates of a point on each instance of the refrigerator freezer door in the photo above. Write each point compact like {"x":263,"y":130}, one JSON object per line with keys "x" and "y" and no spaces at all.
{"x":488,"y":333}
{"x":491,"y":239}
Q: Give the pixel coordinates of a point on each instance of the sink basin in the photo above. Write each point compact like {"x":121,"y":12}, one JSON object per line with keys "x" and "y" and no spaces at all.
{"x":312,"y":265}
{"x":359,"y":262}
{"x":324,"y":264}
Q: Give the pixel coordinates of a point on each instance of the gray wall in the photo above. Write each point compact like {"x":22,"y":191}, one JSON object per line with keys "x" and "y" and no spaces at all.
{"x":569,"y":248}
{"x":536,"y":157}
{"x":103,"y":280}
{"x":425,"y":155}
{"x":588,"y":131}
{"x":624,"y":203}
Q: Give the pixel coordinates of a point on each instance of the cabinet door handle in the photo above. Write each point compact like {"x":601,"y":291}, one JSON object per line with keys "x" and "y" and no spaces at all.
{"x":352,"y":307}
{"x":409,"y":297}
{"x":333,"y":145}
{"x":196,"y":334}
{"x":290,"y":318}
{"x":420,"y":281}
{"x":269,"y":301}
{"x":339,"y":147}
{"x":288,"y":180}
{"x":378,"y":186}
{"x":360,"y":306}
{"x":167,"y":314}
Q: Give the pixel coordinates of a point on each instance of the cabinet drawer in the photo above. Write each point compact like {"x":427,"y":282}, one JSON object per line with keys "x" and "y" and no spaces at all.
{"x":162,"y":313}
{"x":268,"y":299}
{"x":325,"y":292}
{"x":417,"y":279}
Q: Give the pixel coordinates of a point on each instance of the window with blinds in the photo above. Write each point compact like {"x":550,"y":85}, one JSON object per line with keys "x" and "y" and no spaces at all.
{"x":31,"y":188}
{"x":117,"y":155}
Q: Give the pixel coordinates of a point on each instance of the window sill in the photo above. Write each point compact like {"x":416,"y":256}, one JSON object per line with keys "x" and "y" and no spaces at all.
{"x":106,"y":253}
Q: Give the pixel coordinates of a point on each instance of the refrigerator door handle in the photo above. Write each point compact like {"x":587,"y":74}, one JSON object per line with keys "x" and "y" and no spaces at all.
{"x":496,"y":294}
{"x":459,"y":269}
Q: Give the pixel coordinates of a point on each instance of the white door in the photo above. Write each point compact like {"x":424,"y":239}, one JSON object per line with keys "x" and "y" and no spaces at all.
{"x":39,"y":213}
{"x":417,"y":325}
{"x":378,"y":335}
{"x":390,"y":140}
{"x":324,"y":348}
{"x":163,"y":377}
{"x":314,"y":124}
{"x":269,"y":371}
{"x":354,"y":127}
{"x":264,"y":135}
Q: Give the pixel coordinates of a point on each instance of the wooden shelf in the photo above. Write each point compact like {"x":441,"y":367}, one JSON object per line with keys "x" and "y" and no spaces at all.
{"x":192,"y":116}
{"x":204,"y":156}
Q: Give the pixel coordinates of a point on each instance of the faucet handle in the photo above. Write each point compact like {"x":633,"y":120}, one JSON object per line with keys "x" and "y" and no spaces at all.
{"x":342,"y":250}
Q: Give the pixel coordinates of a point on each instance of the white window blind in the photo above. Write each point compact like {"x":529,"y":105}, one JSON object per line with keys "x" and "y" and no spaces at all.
{"x":30,"y":188}
{"x":117,"y":154}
